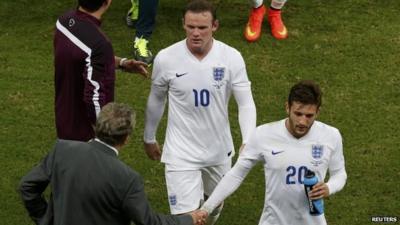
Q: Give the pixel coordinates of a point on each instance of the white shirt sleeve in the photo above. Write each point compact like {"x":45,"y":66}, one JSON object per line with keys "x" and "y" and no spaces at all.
{"x":247,"y":111}
{"x":156,"y":102}
{"x":241,"y":87}
{"x":229,"y":183}
{"x":232,"y":180}
{"x":337,"y":171}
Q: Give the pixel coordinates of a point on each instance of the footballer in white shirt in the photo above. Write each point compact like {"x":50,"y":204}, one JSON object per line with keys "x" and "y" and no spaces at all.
{"x":288,"y":148}
{"x":198,"y":74}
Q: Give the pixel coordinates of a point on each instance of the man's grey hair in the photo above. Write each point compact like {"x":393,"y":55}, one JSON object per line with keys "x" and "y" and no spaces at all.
{"x":115,"y":123}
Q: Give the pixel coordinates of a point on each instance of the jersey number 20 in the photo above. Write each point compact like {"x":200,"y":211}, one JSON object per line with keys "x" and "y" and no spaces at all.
{"x":201,"y":97}
{"x":295,"y":175}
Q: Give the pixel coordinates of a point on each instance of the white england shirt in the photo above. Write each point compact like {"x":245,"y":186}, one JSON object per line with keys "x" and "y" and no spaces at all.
{"x":286,"y":160}
{"x":198,"y":132}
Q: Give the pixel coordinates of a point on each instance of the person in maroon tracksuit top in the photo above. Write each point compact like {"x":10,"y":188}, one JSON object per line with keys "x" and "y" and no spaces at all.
{"x":85,"y":66}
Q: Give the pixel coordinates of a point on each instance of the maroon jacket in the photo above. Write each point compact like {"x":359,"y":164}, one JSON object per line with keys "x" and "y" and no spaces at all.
{"x":84,"y":74}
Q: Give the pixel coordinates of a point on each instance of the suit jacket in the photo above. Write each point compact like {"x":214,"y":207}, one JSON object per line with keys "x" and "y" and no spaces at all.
{"x":89,"y":185}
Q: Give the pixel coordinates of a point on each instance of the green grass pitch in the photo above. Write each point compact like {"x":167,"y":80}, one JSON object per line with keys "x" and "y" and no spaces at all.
{"x":350,"y":47}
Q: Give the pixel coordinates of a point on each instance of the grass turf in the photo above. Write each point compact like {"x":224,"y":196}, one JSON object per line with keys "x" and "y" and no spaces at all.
{"x":349,"y":47}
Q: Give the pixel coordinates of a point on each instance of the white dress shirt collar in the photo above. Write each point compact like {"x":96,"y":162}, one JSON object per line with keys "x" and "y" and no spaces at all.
{"x":114,"y":149}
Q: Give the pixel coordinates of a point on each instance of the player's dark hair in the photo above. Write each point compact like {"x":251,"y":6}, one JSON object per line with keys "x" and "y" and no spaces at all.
{"x":199,"y":6}
{"x":306,"y":92}
{"x":91,"y":5}
{"x":115,"y":123}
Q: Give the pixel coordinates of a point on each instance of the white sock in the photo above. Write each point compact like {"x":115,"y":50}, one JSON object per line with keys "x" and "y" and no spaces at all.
{"x":278,"y":4}
{"x":257,"y":3}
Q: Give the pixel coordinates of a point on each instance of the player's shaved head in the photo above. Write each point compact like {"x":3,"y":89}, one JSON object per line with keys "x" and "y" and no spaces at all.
{"x":199,"y":6}
{"x":306,"y":92}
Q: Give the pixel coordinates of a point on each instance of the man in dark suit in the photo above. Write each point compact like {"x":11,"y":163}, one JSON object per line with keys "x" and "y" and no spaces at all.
{"x":90,"y":185}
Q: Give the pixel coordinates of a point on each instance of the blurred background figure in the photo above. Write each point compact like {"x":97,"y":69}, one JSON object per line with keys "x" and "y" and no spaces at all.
{"x":253,"y":28}
{"x":142,"y":16}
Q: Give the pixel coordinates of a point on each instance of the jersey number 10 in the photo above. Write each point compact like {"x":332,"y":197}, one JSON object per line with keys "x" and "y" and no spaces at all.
{"x":201,"y":97}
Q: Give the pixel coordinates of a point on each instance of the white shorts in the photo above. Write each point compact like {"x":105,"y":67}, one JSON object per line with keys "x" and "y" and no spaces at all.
{"x":187,"y":187}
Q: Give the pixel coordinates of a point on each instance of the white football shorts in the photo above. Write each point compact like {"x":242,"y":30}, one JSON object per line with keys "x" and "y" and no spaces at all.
{"x":187,"y":187}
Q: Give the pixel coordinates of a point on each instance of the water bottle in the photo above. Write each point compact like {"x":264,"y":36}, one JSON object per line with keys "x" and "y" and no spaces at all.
{"x":316,"y":206}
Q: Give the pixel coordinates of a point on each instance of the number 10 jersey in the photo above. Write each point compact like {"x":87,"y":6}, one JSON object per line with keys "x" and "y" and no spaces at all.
{"x":198,"y":131}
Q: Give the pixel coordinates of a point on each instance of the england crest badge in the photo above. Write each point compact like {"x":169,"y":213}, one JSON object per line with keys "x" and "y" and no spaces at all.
{"x":218,"y":74}
{"x":317,"y":151}
{"x":172,"y":199}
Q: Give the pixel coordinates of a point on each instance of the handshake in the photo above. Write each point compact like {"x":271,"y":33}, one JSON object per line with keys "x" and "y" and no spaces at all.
{"x":199,"y":217}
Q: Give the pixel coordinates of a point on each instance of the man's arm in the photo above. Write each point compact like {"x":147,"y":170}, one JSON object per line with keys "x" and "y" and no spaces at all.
{"x":33,"y":185}
{"x":337,"y":173}
{"x":247,"y":109}
{"x":232,"y":180}
{"x":154,"y":111}
{"x":229,"y":183}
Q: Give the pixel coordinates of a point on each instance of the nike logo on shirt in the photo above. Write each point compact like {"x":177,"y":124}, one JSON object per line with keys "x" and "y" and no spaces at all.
{"x":179,"y":75}
{"x":275,"y":153}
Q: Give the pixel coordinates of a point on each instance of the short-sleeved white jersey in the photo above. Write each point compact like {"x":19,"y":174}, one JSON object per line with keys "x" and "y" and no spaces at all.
{"x":286,"y":159}
{"x":198,"y":132}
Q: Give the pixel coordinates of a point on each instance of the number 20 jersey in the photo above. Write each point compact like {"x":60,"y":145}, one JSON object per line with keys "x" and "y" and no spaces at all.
{"x":286,"y":160}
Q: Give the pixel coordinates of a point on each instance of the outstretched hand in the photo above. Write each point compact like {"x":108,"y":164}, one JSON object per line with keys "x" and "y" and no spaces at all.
{"x":133,"y":66}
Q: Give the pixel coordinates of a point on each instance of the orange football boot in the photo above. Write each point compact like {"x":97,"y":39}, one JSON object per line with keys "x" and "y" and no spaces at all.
{"x":253,"y":28}
{"x":278,"y":29}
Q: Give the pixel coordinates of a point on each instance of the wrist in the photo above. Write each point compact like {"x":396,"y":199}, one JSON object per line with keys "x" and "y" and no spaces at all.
{"x":121,"y":63}
{"x":207,"y":209}
{"x":150,"y":141}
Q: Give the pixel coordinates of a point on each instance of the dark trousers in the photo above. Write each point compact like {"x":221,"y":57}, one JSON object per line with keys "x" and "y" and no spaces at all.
{"x":147,"y":18}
